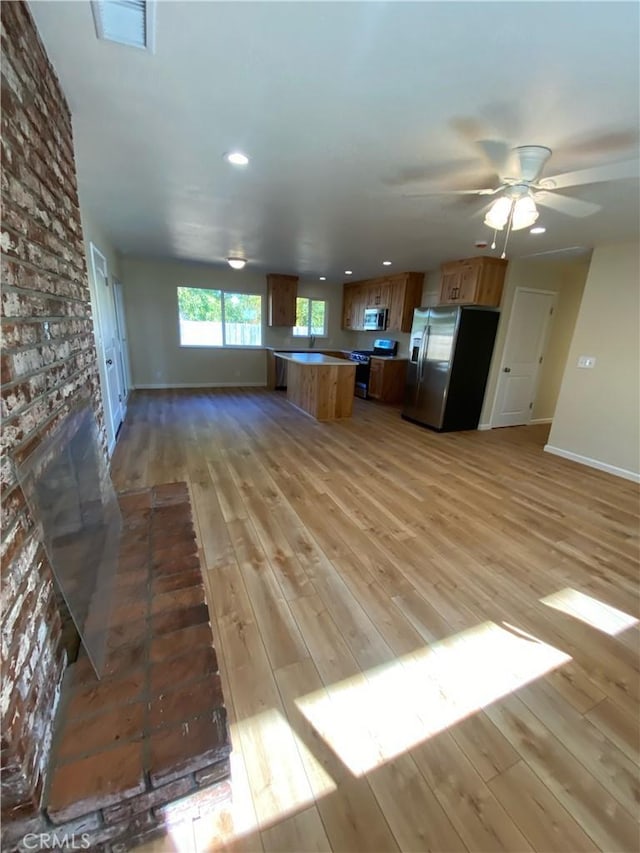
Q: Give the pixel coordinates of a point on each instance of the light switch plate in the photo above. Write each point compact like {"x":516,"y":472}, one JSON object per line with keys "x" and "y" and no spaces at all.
{"x":586,"y":361}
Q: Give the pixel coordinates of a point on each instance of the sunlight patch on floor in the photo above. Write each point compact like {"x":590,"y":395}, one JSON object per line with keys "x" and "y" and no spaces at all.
{"x":267,"y":760}
{"x":368,"y":720}
{"x":591,"y":610}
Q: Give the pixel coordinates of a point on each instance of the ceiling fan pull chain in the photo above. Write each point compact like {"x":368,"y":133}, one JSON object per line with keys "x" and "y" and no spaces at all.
{"x":506,"y":239}
{"x":495,"y":234}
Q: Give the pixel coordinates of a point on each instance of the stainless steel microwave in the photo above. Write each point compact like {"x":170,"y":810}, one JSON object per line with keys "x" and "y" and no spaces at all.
{"x":375,"y":319}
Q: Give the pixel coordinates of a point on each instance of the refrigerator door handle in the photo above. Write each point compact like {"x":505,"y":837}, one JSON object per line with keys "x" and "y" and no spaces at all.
{"x":423,"y":351}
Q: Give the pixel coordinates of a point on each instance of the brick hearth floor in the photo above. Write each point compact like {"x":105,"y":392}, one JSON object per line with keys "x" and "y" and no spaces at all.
{"x":154,"y":728}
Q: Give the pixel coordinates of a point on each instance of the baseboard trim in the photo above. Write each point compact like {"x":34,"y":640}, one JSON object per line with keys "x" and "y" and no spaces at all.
{"x":593,"y":463}
{"x":532,"y":422}
{"x":168,"y":387}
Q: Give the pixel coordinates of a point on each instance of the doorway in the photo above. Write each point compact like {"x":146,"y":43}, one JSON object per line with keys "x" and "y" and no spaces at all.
{"x":523,"y":355}
{"x":107,"y":345}
{"x":123,"y":346}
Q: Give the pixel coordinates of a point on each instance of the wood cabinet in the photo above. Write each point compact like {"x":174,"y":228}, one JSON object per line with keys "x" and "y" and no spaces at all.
{"x":353,"y":298}
{"x":282,"y":291}
{"x":378,"y":294}
{"x":323,"y":388}
{"x":348,"y":294}
{"x":271,"y":362}
{"x":399,"y":293}
{"x":406,"y":294}
{"x":387,"y":379}
{"x":474,"y":281}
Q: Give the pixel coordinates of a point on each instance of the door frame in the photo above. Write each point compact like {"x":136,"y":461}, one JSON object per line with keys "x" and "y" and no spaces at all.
{"x":507,"y":340}
{"x":98,"y":321}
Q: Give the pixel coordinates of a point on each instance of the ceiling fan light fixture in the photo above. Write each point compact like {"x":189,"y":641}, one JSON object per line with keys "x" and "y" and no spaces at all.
{"x":524,"y":213}
{"x":236,"y":263}
{"x":498,"y":214}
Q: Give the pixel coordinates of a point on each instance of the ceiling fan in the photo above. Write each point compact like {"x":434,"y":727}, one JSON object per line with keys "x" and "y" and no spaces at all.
{"x":522,"y":188}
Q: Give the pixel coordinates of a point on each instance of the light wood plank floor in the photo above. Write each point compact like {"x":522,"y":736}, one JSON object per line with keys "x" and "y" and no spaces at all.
{"x":428,"y":642}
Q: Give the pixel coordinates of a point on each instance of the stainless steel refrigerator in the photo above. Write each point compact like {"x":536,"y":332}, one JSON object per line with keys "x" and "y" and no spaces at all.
{"x":449,"y":356}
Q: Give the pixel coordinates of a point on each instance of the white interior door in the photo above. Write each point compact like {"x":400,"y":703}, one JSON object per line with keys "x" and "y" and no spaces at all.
{"x":107,"y":346}
{"x":523,"y":354}
{"x":123,"y":346}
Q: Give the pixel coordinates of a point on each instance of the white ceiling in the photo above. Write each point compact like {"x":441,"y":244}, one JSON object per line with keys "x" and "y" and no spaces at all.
{"x":343,"y":109}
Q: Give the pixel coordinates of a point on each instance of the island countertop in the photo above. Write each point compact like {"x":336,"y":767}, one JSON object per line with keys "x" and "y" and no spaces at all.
{"x":320,"y":385}
{"x":315,"y":358}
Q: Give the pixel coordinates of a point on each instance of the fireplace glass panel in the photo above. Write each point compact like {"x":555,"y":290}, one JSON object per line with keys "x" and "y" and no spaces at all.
{"x":71,"y":497}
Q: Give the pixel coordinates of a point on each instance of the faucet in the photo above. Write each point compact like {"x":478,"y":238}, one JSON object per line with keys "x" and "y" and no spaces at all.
{"x":312,"y":340}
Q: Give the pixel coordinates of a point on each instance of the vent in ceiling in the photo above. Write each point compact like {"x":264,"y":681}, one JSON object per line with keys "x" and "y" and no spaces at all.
{"x":130,"y":22}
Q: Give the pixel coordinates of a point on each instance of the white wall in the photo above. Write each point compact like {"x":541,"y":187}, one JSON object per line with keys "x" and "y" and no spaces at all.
{"x":597,"y":418}
{"x":158,"y":360}
{"x":566,"y":279}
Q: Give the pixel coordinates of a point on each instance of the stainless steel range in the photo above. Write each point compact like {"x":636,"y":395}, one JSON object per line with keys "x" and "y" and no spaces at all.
{"x":382,"y":348}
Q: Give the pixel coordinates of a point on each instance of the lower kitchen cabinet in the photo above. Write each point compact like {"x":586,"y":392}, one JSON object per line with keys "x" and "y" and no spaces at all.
{"x":387,"y":379}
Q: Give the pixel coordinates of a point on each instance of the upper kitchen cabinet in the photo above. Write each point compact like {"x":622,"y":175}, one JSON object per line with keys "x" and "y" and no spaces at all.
{"x":282,"y":291}
{"x":406,"y":294}
{"x":399,"y":293}
{"x":378,"y":293}
{"x":474,"y":281}
{"x":352,"y":305}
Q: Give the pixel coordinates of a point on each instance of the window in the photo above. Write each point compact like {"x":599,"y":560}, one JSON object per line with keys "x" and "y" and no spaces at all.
{"x":311,"y":317}
{"x":215,"y":318}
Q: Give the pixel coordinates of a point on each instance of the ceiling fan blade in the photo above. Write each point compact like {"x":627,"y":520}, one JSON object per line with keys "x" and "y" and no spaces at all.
{"x":598,"y":174}
{"x":429,"y":172}
{"x":481,"y":212}
{"x":452,"y":192}
{"x":566,"y":204}
{"x":497,"y":152}
{"x":610,"y":140}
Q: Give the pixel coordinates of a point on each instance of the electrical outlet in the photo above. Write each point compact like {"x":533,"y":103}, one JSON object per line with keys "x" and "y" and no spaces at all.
{"x":586,"y":361}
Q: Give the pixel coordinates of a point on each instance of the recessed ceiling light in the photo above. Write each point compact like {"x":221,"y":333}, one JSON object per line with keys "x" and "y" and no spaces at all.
{"x":236,"y":263}
{"x":237,"y":158}
{"x":348,"y":272}
{"x":386,"y":263}
{"x":537,"y":230}
{"x":323,"y":278}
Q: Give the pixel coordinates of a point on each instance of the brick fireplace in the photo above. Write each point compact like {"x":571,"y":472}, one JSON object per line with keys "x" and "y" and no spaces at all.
{"x":48,"y":362}
{"x":48,"y":365}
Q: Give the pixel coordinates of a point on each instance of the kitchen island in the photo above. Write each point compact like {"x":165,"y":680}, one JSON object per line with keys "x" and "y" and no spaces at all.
{"x":320,"y":385}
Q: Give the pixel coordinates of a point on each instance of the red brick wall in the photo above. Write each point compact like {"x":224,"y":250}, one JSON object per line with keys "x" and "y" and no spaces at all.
{"x":48,"y":360}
